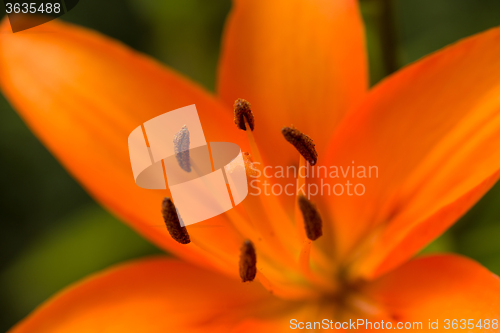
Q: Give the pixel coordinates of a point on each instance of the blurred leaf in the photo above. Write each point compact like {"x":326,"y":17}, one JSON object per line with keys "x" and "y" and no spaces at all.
{"x":477,"y":233}
{"x":88,"y":241}
{"x":444,"y":244}
{"x":371,"y":12}
{"x":482,"y":243}
{"x":115,"y":18}
{"x":186,"y":34}
{"x":32,"y":182}
{"x":428,"y":25}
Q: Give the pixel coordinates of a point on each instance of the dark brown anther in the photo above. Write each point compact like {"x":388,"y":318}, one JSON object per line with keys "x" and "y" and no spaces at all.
{"x":303,"y":143}
{"x":248,"y":262}
{"x":176,"y":231}
{"x":312,"y":219}
{"x":181,"y":148}
{"x":242,"y":112}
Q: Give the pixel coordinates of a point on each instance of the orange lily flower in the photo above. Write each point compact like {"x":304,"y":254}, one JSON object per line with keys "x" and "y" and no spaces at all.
{"x":431,"y":129}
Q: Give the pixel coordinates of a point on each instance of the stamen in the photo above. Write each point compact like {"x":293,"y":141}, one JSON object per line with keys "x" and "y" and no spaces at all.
{"x":242,"y":112}
{"x":269,"y":208}
{"x":305,"y":267}
{"x":176,"y":231}
{"x":301,"y":187}
{"x":261,"y":209}
{"x":312,"y":220}
{"x":284,"y":292}
{"x":181,"y":148}
{"x":303,"y":143}
{"x":250,"y":168}
{"x":248,"y":262}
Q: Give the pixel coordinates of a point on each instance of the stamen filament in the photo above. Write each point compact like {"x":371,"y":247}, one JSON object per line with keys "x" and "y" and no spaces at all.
{"x":272,"y":210}
{"x":311,"y":224}
{"x":283,"y":292}
{"x":266,"y":248}
{"x":305,"y":268}
{"x":254,"y":150}
{"x":221,"y":259}
{"x":304,"y":257}
{"x":301,"y":186}
{"x":260,"y":221}
{"x":356,"y":261}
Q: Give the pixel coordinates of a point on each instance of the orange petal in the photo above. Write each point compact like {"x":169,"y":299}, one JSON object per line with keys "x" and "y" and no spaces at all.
{"x":151,"y":295}
{"x":297,"y":62}
{"x":398,"y":243}
{"x":295,"y":318}
{"x":433,"y":132}
{"x":82,"y":94}
{"x":439,"y":288}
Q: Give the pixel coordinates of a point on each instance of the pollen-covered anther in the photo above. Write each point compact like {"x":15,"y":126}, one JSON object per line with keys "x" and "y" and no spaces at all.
{"x":312,"y":220}
{"x":248,"y":262}
{"x":242,"y":112}
{"x":250,"y":168}
{"x":303,"y":143}
{"x":181,"y":148}
{"x":174,"y":227}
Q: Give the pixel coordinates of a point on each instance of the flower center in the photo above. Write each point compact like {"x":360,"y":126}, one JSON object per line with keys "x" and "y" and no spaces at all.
{"x":286,"y":251}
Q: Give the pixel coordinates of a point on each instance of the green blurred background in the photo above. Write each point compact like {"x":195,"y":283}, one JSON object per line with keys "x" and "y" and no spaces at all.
{"x":52,"y":233}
